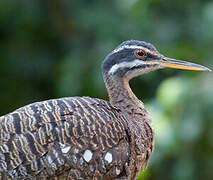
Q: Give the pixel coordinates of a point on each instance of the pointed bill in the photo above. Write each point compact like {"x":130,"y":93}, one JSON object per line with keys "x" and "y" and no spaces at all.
{"x":178,"y":64}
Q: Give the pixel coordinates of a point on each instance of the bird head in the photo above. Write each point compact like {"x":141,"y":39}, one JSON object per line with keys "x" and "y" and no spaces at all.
{"x":133,"y":58}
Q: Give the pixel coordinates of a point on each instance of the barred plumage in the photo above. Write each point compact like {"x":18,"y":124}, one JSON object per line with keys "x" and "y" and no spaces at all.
{"x":50,"y":137}
{"x":83,"y":137}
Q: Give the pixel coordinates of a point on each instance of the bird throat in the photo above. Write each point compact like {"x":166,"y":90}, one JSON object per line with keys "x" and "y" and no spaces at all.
{"x":139,"y":123}
{"x":122,"y":97}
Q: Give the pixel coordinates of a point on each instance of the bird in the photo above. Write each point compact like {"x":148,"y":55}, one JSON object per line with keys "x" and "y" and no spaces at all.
{"x":84,"y":137}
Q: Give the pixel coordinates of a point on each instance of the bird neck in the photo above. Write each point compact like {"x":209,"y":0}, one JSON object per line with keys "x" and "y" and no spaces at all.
{"x":120,"y":93}
{"x":122,"y":97}
{"x":139,"y":123}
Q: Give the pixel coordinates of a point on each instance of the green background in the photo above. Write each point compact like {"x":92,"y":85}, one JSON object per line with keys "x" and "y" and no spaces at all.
{"x":54,"y":48}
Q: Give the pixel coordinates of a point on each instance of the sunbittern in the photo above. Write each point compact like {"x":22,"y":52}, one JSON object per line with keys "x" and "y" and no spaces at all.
{"x":83,"y":137}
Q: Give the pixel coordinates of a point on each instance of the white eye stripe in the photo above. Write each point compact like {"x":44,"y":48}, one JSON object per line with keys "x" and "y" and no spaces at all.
{"x":131,"y":64}
{"x":130,"y":47}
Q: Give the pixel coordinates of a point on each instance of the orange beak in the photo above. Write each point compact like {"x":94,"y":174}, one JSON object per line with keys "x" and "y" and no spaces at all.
{"x":178,"y":64}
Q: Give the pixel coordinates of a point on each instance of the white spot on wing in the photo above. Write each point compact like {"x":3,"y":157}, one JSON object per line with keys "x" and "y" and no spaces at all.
{"x":108,"y":157}
{"x":64,"y":148}
{"x":117,"y":171}
{"x":87,"y":155}
{"x":62,"y":145}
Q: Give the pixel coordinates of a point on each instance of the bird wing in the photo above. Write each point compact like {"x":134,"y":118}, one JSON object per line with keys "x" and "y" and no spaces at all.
{"x":76,"y":137}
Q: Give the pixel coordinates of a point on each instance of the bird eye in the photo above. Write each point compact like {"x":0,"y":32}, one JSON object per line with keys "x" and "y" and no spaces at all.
{"x":140,"y":53}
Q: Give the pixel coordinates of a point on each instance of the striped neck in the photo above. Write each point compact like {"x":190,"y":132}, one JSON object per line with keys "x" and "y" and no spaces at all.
{"x":121,"y":95}
{"x":139,"y":122}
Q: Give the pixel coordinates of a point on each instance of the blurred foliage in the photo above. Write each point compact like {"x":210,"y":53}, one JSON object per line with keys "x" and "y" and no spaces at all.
{"x":54,"y":48}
